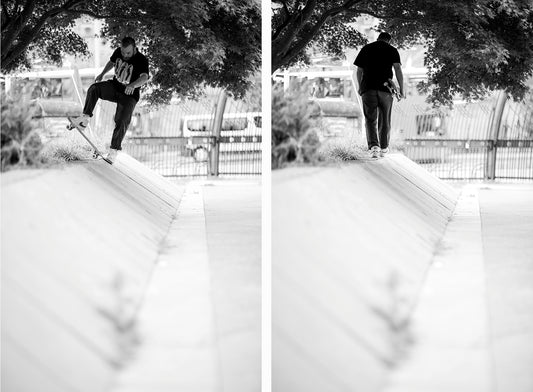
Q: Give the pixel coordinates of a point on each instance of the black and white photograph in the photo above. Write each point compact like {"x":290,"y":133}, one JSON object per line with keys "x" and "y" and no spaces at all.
{"x":266,"y":196}
{"x":131,"y":196}
{"x":402,"y":196}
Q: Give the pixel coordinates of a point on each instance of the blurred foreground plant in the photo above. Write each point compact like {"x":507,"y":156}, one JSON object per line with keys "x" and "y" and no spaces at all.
{"x":294,"y":136}
{"x":20,"y":142}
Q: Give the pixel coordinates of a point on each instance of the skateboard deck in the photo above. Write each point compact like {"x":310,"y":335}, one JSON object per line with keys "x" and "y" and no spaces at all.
{"x":391,"y":86}
{"x":96,"y":150}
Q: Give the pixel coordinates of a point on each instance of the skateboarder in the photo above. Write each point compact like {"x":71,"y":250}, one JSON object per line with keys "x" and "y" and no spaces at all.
{"x":131,"y":72}
{"x":374,"y":69}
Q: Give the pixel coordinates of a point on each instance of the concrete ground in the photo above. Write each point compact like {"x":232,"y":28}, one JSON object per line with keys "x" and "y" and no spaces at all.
{"x":507,"y":232}
{"x":351,"y":244}
{"x":473,"y":324}
{"x":459,"y":317}
{"x":200,"y":323}
{"x":115,"y":279}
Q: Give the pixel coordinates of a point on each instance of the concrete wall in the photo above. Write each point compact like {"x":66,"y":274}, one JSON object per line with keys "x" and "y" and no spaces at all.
{"x":78,"y":247}
{"x":350,"y":247}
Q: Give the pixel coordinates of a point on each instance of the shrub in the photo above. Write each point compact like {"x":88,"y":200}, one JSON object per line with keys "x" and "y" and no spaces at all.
{"x":343,"y":149}
{"x":294,"y":136}
{"x":20,"y":143}
{"x":69,"y":148}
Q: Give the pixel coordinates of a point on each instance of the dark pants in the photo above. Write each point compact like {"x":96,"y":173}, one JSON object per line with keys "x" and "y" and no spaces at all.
{"x":125,"y":104}
{"x":377,"y":109}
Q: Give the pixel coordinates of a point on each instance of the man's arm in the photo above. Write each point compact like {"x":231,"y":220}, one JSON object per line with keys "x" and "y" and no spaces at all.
{"x":106,"y":69}
{"x":399,"y":77}
{"x":359,"y":78}
{"x":143,"y":78}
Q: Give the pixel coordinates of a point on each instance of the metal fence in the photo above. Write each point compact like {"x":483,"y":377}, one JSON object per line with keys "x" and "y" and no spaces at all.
{"x":215,"y":135}
{"x":240,"y":140}
{"x":488,"y":139}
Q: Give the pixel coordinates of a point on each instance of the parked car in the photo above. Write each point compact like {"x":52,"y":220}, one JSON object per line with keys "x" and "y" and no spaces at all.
{"x":241,"y":132}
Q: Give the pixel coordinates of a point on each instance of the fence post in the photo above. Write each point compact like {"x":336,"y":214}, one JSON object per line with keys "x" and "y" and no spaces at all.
{"x":217,"y":128}
{"x":490,"y":163}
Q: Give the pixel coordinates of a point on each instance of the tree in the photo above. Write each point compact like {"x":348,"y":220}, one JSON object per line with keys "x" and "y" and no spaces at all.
{"x":471,"y":46}
{"x":188,"y":43}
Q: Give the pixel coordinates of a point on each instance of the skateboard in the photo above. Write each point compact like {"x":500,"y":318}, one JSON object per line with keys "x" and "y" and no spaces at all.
{"x":97,"y":152}
{"x":391,"y":86}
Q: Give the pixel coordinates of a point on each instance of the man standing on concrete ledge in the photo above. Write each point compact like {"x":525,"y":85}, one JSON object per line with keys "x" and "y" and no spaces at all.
{"x":374,"y":78}
{"x":131,"y":72}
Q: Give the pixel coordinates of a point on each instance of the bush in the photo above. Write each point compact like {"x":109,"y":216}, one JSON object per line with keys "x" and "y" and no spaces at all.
{"x":20,"y":143}
{"x":344,"y":149}
{"x":294,"y":136}
{"x":69,"y":148}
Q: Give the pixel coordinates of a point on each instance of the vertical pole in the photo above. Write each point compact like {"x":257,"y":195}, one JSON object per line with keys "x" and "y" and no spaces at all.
{"x":97,"y":46}
{"x":495,"y":125}
{"x":217,"y":128}
{"x":78,"y":86}
{"x":8,"y":86}
{"x":76,"y":79}
{"x":286,"y":81}
{"x":362,"y":131}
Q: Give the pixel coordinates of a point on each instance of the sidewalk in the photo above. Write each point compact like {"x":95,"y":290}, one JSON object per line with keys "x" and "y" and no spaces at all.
{"x":507,"y":227}
{"x":473,"y":325}
{"x":200,"y":322}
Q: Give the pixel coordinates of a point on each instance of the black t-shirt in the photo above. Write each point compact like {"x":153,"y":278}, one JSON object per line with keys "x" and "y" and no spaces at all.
{"x":376,"y":59}
{"x":127,"y":71}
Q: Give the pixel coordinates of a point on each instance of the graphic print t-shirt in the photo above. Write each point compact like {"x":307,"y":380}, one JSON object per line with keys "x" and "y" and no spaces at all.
{"x":127,"y":71}
{"x":376,"y":59}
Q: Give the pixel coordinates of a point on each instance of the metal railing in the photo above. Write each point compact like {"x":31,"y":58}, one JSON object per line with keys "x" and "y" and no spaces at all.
{"x":488,"y":139}
{"x":213,"y":136}
{"x":240,"y":140}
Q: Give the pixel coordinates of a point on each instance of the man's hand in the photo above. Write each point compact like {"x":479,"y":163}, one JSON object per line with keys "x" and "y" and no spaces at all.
{"x":99,"y":78}
{"x":129,"y":89}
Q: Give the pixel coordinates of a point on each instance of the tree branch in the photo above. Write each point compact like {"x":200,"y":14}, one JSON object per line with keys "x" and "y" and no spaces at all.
{"x":287,"y":50}
{"x":8,"y":54}
{"x":18,"y":25}
{"x":295,"y":25}
{"x":285,"y":7}
{"x":6,"y":19}
{"x":280,"y":28}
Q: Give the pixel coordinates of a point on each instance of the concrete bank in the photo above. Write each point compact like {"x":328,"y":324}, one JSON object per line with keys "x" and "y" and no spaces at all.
{"x":351,"y":246}
{"x":473,"y":324}
{"x":79,"y":244}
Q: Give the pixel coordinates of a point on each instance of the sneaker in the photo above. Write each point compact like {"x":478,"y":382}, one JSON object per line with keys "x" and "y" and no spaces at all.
{"x":112,"y":154}
{"x":384,"y":151}
{"x":81,"y":121}
{"x":374,"y":152}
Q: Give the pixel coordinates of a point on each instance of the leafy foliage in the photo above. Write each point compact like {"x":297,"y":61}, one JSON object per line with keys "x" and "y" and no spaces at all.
{"x":294,"y":137}
{"x":188,"y":43}
{"x":38,"y":29}
{"x":472,"y":46}
{"x":20,"y":143}
{"x":215,"y":42}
